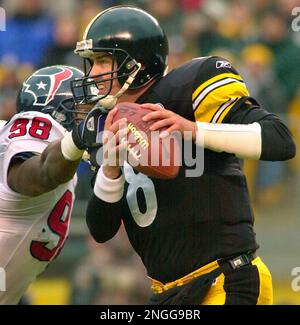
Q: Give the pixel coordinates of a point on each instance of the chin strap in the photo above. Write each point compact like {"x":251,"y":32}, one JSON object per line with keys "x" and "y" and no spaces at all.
{"x":110,"y":101}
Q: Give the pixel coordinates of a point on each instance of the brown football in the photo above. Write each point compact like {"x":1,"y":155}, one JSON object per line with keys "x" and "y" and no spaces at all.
{"x":146,"y":151}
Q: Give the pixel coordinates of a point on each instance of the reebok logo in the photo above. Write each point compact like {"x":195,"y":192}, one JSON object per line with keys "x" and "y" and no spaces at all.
{"x":223,"y":64}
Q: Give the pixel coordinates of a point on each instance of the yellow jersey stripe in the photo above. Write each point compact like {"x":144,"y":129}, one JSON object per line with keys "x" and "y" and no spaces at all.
{"x":225,"y":112}
{"x":212,"y":87}
{"x":210,"y":105}
{"x":213,"y":80}
{"x":223,"y":108}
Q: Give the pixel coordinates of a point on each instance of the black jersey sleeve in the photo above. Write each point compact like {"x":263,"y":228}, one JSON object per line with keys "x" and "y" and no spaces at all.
{"x":103,"y":219}
{"x":277,"y":140}
{"x":217,"y":87}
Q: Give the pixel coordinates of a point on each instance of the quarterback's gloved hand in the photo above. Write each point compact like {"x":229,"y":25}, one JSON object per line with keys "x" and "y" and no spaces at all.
{"x":85,"y":135}
{"x":88,"y":133}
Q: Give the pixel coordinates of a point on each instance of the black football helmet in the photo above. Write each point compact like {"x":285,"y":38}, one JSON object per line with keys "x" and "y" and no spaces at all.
{"x":136,"y":42}
{"x":48,"y":90}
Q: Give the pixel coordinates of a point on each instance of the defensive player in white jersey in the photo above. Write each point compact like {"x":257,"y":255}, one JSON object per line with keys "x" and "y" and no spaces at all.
{"x":37,"y":177}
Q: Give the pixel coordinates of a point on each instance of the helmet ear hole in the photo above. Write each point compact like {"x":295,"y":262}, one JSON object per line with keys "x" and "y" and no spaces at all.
{"x":125,"y":65}
{"x":130,"y":64}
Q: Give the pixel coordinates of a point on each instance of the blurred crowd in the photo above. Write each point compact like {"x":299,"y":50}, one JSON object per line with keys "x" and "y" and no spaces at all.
{"x":256,"y":36}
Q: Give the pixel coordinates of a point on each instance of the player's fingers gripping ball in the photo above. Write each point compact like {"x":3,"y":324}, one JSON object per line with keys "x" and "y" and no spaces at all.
{"x":115,"y":143}
{"x":146,"y":151}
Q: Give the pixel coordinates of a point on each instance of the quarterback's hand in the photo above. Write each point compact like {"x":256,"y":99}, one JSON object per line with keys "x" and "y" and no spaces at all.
{"x":88,"y":133}
{"x":114,"y":145}
{"x":169,"y":120}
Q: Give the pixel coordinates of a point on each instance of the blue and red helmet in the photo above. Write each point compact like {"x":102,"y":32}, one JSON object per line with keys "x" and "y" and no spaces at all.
{"x":48,"y":90}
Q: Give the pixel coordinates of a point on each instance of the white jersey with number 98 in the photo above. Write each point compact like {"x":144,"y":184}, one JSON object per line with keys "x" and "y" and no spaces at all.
{"x":32,"y":229}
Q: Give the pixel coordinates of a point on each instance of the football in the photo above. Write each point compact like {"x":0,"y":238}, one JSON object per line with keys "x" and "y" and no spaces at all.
{"x":146,"y":151}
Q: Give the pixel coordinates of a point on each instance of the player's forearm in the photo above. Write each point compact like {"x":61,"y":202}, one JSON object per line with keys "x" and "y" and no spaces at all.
{"x":104,"y":209}
{"x":57,"y":165}
{"x":41,"y":174}
{"x":56,"y":169}
{"x":277,"y":141}
{"x":268,"y":139}
{"x":60,"y":161}
{"x":244,"y":141}
{"x":103,"y":219}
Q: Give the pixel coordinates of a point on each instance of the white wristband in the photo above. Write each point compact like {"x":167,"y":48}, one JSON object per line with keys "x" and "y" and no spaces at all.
{"x":107,"y":189}
{"x":243,"y":140}
{"x":69,"y":149}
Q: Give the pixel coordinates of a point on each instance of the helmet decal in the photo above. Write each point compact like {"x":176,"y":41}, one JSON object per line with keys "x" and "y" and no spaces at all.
{"x":48,"y":90}
{"x":46,"y":83}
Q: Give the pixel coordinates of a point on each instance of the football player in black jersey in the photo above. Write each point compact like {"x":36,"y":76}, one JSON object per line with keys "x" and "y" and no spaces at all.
{"x":194,"y":234}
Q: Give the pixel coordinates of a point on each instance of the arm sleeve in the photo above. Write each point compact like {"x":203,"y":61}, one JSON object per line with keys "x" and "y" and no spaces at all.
{"x":103,"y":219}
{"x":277,"y":140}
{"x":104,"y":211}
{"x":221,"y":96}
